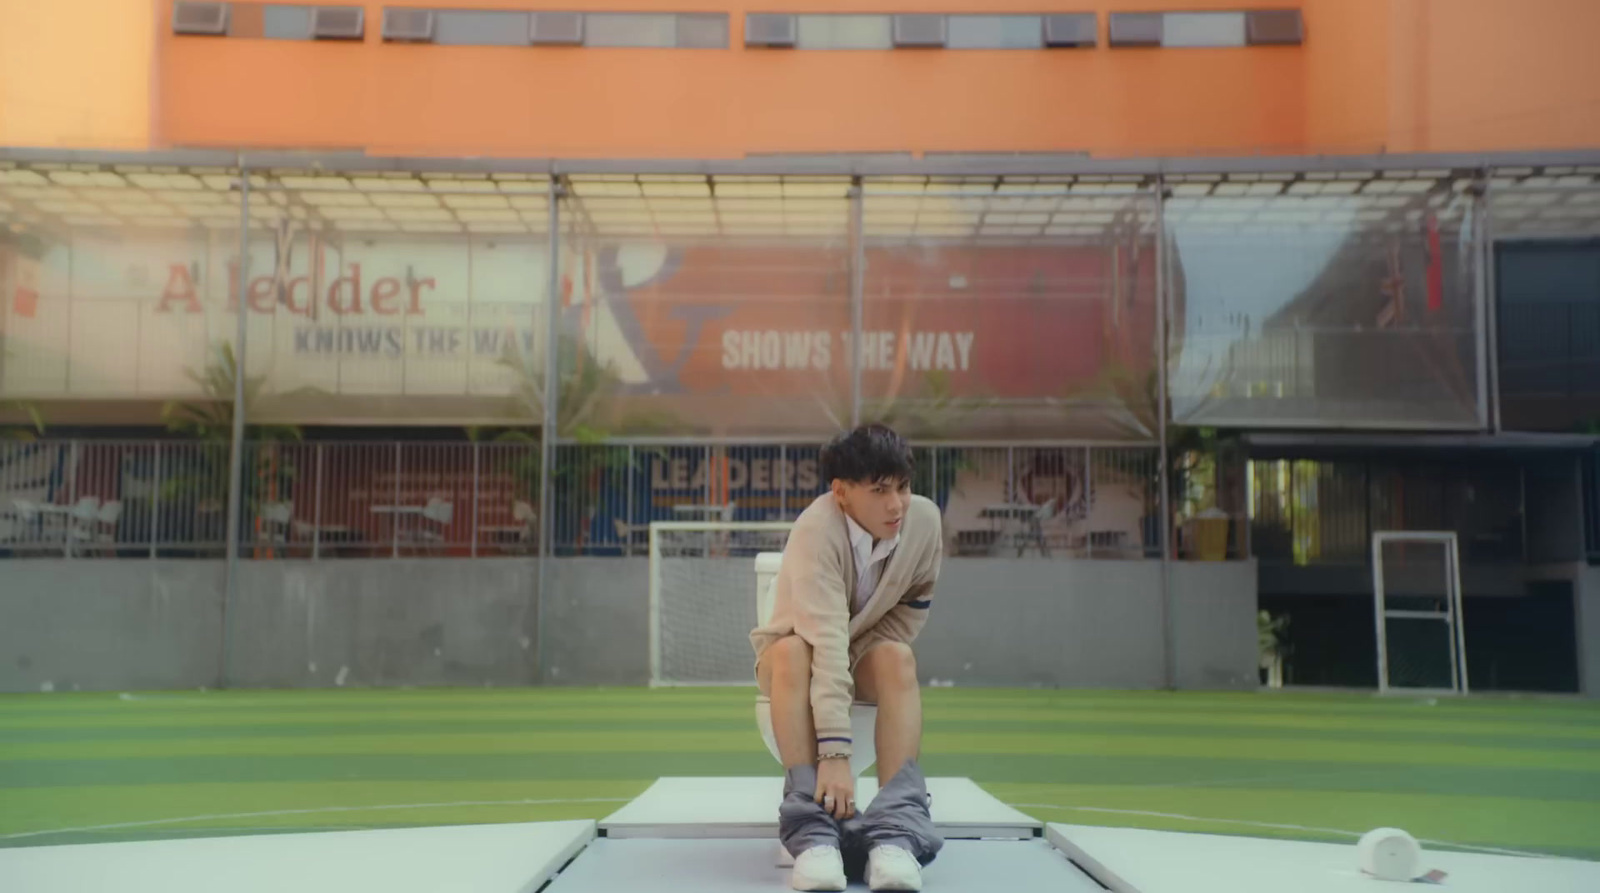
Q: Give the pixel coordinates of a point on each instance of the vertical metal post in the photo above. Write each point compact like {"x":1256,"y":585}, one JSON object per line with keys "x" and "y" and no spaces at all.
{"x":236,"y":446}
{"x":1491,"y":298}
{"x":475,"y":489}
{"x":548,"y":432}
{"x":1088,"y":501}
{"x":394,"y":504}
{"x":316,"y":516}
{"x":1011,"y":474}
{"x":1163,"y":282}
{"x":935,"y":466}
{"x":783,"y":482}
{"x":858,"y":264}
{"x":155,"y":502}
{"x":706,"y":469}
{"x":1382,"y":632}
{"x":627,"y":524}
{"x":1478,"y":212}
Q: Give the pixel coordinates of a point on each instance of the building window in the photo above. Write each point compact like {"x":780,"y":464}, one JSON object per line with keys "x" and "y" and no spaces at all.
{"x":286,"y":22}
{"x":598,"y":29}
{"x":703,"y":31}
{"x":1203,"y":29}
{"x":1274,"y":27}
{"x":269,"y":21}
{"x":1002,"y":32}
{"x":846,"y":32}
{"x":1207,"y":29}
{"x":480,"y":28}
{"x":631,"y":30}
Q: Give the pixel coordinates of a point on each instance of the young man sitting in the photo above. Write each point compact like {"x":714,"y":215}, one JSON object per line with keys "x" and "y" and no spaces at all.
{"x":854,"y":589}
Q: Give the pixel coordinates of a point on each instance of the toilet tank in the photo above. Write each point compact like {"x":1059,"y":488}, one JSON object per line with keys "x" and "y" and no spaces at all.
{"x":767,"y":564}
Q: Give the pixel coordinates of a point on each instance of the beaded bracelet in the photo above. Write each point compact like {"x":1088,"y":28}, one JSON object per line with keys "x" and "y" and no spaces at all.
{"x":832,"y":756}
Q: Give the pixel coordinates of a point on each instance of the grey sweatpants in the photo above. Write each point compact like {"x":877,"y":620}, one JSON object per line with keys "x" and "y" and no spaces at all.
{"x":899,"y":815}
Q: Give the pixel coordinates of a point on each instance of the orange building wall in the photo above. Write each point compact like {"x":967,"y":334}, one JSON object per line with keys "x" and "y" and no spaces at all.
{"x":1373,"y":76}
{"x":76,"y":73}
{"x":388,"y":99}
{"x":1499,"y":74}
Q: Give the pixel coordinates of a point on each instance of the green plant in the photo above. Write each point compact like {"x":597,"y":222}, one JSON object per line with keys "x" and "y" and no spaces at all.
{"x":210,"y":420}
{"x":587,"y":408}
{"x":33,"y":430}
{"x":1271,"y":645}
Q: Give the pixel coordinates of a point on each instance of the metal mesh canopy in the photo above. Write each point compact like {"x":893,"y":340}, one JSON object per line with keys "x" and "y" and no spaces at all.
{"x":1011,"y":206}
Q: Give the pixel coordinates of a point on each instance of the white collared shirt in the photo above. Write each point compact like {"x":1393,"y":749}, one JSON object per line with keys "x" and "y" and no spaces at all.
{"x":870,"y":561}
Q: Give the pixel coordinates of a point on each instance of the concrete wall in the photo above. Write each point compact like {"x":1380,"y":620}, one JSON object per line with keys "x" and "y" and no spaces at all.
{"x":380,"y":623}
{"x":115,"y":625}
{"x":99,"y":625}
{"x":1586,"y":596}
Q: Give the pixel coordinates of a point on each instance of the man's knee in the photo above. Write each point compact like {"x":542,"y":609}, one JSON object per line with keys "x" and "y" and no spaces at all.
{"x":895,"y":665}
{"x":791,"y":662}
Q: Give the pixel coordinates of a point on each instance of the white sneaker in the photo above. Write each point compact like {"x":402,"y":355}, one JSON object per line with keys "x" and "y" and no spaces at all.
{"x":893,"y":868}
{"x":819,"y":868}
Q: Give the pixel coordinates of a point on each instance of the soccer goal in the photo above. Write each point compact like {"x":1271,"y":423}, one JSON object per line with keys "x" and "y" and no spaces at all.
{"x":703,"y":599}
{"x":1416,"y":586}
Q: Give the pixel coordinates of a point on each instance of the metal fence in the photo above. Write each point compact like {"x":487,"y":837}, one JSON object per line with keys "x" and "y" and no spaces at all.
{"x":80,"y":498}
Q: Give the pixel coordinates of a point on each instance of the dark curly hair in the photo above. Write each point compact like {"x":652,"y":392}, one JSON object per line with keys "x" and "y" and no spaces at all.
{"x":869,"y":454}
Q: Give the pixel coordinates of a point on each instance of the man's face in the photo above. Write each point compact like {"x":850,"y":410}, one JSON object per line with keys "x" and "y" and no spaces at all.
{"x":879,"y":507}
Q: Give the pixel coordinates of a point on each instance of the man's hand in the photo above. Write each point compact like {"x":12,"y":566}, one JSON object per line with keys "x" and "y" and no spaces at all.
{"x":836,"y":789}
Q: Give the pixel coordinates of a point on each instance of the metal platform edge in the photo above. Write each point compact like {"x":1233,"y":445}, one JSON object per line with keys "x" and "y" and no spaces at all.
{"x":746,"y":831}
{"x":1091,"y":866}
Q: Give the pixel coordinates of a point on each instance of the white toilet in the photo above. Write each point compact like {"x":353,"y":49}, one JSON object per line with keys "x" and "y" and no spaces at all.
{"x":863,"y":717}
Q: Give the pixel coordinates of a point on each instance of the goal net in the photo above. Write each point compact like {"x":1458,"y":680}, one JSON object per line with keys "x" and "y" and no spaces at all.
{"x":703,"y":599}
{"x":1416,"y":583}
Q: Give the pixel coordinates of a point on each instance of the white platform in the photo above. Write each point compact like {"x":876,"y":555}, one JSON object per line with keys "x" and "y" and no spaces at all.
{"x":515,"y":858}
{"x":1128,"y":860}
{"x":745,"y":866}
{"x":700,"y":840}
{"x":748,"y":807}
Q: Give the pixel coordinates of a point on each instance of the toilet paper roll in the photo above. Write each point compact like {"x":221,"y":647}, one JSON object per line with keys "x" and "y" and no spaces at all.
{"x":1390,"y":854}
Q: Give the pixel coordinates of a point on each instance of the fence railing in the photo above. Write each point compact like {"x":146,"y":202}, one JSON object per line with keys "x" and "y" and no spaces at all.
{"x":88,"y":498}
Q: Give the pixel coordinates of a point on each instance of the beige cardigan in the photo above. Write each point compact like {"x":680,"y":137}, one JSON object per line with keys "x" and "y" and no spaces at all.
{"x":816,"y":587}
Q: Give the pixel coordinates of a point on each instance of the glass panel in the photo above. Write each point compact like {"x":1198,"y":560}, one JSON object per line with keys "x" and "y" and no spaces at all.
{"x":845,"y":32}
{"x":630,"y":30}
{"x":481,"y":28}
{"x":1203,"y":29}
{"x":1004,"y":316}
{"x":386,"y":300}
{"x":703,"y":30}
{"x":1547,"y":285}
{"x":995,"y":32}
{"x":1324,"y":304}
{"x":690,"y":314}
{"x":287,"y":22}
{"x":117,"y":287}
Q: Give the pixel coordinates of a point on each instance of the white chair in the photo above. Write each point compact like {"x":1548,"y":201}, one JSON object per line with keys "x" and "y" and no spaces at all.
{"x":863,"y":717}
{"x":80,"y":521}
{"x":275,"y":521}
{"x":439,"y":510}
{"x":106,"y":522}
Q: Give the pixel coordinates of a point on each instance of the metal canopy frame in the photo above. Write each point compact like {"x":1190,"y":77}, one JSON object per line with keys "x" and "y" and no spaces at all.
{"x":832,"y":164}
{"x":296,"y":185}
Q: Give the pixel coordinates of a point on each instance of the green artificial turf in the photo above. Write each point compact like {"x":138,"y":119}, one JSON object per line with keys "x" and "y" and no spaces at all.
{"x":1512,"y":774}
